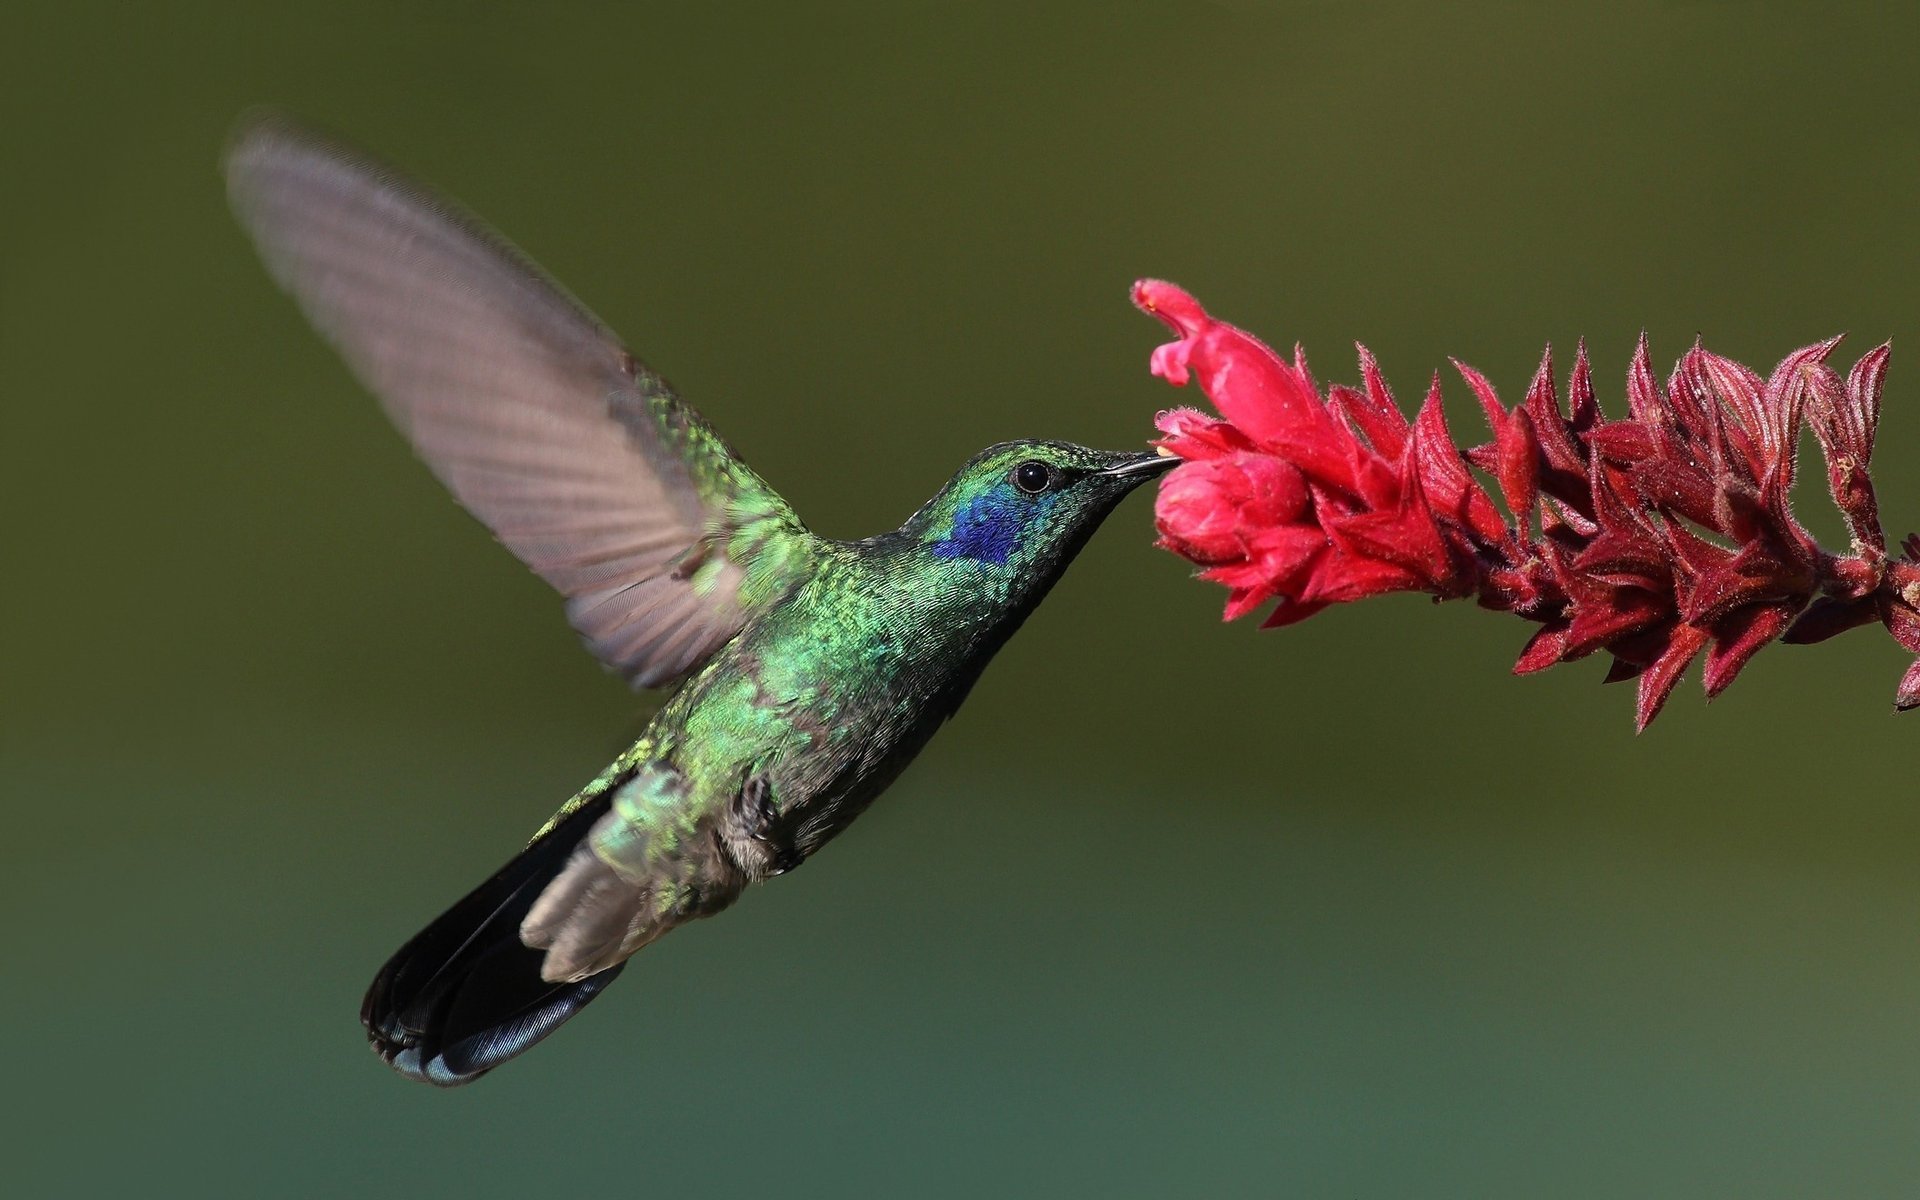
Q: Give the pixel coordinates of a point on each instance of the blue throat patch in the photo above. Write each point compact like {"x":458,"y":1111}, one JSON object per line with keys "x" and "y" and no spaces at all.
{"x":989,"y":528}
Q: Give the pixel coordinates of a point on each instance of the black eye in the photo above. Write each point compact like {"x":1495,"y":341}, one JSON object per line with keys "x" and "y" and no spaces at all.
{"x":1032,"y":477}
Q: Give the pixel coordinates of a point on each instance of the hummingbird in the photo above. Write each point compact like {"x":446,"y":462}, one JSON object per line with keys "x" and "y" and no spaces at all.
{"x":809,"y":671}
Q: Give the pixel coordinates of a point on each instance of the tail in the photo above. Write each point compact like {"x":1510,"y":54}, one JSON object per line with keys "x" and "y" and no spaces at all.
{"x":466,"y":995}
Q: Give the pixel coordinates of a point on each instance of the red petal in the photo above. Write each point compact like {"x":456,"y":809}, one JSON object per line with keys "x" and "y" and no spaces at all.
{"x":1907,"y":695}
{"x":1482,"y":388}
{"x":1826,"y":617}
{"x":1656,"y":684}
{"x":1678,"y":487}
{"x":1519,"y":472}
{"x":1783,"y":401}
{"x":1584,"y":411}
{"x":1750,"y":576}
{"x":1209,"y":511}
{"x":1643,"y":394}
{"x":1620,"y":670}
{"x":1738,"y":638}
{"x":1516,"y":465}
{"x":1450,"y":487}
{"x":1863,"y":401}
{"x":1192,"y":434}
{"x":1624,"y":442}
{"x":1543,"y":649}
{"x":1407,"y":536}
{"x":1384,"y":428}
{"x":1380,"y":399}
{"x":1902,"y":622}
{"x":1564,"y":472}
{"x":1340,"y":578}
{"x":1739,"y":390}
{"x":1249,"y":384}
{"x":1624,"y":552}
{"x":1605,"y":614}
{"x":1290,"y":612}
{"x":1241,"y":601}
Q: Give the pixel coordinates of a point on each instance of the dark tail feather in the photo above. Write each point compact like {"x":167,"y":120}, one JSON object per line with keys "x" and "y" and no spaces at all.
{"x":465,"y":994}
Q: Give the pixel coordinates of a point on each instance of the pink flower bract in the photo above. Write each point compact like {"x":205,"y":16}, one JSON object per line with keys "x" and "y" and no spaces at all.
{"x":1660,"y":537}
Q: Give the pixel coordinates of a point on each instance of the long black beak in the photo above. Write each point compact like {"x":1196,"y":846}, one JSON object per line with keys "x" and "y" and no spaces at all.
{"x":1143,"y":467}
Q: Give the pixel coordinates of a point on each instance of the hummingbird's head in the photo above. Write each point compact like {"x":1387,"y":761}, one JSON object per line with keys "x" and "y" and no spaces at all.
{"x":1018,"y":513}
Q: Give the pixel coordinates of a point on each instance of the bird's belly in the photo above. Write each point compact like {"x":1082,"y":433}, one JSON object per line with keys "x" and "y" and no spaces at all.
{"x":808,"y":731}
{"x":821,"y":788}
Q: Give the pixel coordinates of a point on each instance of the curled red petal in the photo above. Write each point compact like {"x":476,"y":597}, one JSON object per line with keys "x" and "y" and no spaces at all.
{"x":1192,"y":434}
{"x":1248,"y":383}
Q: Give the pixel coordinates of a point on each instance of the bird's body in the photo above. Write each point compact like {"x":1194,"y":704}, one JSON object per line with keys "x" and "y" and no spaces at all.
{"x":814,"y":670}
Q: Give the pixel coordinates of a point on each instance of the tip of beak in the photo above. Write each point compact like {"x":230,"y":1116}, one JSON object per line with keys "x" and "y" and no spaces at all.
{"x":1144,"y":466}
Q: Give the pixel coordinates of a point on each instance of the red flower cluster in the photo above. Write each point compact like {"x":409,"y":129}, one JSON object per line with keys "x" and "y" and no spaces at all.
{"x":1656,"y":537}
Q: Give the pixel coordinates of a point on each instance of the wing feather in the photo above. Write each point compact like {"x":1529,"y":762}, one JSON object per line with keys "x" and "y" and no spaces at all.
{"x":578,"y":458}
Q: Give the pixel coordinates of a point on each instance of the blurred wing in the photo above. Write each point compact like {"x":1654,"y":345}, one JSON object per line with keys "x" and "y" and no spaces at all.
{"x":578,"y":458}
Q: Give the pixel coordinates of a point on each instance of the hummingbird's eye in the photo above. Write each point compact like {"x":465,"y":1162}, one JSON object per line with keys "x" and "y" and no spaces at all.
{"x":1032,"y":477}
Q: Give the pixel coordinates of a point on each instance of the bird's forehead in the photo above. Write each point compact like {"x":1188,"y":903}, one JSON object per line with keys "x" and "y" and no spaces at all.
{"x":996,"y":459}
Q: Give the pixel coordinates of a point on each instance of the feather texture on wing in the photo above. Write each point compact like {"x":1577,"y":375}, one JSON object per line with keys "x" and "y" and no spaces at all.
{"x":578,"y":458}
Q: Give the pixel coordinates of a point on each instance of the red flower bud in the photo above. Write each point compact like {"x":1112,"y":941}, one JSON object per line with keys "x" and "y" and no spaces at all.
{"x":1207,"y":510}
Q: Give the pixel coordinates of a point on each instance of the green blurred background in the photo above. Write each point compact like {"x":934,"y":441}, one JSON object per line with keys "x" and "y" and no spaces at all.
{"x":1173,"y":908}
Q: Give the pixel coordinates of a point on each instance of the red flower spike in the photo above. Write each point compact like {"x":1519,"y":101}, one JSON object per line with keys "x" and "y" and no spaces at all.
{"x":1660,"y":536}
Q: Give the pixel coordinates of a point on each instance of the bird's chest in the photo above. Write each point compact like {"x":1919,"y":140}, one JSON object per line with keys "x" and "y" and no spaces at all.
{"x":805,"y":730}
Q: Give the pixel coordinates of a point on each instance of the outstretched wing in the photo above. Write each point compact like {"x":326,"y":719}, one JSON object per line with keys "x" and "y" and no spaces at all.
{"x":579,"y":459}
